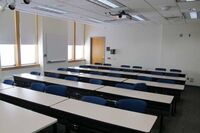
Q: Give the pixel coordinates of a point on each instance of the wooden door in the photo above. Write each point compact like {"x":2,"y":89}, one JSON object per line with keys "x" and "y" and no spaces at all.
{"x":97,"y":49}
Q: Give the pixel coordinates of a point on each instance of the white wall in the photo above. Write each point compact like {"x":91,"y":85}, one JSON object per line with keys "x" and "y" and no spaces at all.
{"x":152,"y":46}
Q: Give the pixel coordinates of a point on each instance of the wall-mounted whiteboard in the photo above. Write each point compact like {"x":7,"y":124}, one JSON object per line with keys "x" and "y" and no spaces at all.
{"x":56,"y":47}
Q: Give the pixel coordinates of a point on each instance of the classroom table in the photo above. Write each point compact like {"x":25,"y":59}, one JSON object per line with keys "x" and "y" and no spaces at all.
{"x":30,"y":99}
{"x":74,"y":87}
{"x":104,"y":118}
{"x":4,"y":86}
{"x":107,"y":80}
{"x":130,"y":75}
{"x":167,"y":73}
{"x":15,"y":119}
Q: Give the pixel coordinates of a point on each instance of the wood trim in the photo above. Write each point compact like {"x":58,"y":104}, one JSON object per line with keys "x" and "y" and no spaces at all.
{"x":17,"y":37}
{"x":19,"y":67}
{"x":74,"y":45}
{"x":37,"y":40}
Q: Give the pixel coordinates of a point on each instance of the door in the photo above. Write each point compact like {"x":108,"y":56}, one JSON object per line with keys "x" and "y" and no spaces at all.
{"x":97,"y":49}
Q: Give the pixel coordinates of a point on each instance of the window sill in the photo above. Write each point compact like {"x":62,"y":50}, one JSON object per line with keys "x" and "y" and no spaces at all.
{"x":71,"y":61}
{"x":19,"y":67}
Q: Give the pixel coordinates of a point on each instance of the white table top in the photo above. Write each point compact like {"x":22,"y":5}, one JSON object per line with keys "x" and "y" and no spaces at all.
{"x":143,"y":69}
{"x":34,"y":96}
{"x":116,"y":79}
{"x":75,"y":84}
{"x":157,"y":84}
{"x":14,"y":119}
{"x":127,"y":119}
{"x":162,"y":77}
{"x":4,"y":86}
{"x":167,"y":99}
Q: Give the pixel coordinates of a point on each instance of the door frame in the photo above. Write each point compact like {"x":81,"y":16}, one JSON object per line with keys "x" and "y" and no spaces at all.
{"x":91,"y":47}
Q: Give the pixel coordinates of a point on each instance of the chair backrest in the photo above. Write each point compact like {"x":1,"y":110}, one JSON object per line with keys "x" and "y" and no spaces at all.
{"x":106,"y":64}
{"x":52,"y":75}
{"x":132,"y":105}
{"x":94,"y":99}
{"x":96,"y":73}
{"x":73,"y":70}
{"x":8,"y":82}
{"x":38,"y":86}
{"x":175,"y":70}
{"x":169,"y":81}
{"x":98,"y":63}
{"x":83,"y":66}
{"x":72,"y":78}
{"x":35,"y":73}
{"x":137,"y":67}
{"x":62,"y":69}
{"x":161,"y":69}
{"x":141,"y":87}
{"x":57,"y":90}
{"x":124,"y":85}
{"x":126,"y":66}
{"x":114,"y":75}
{"x":96,"y":81}
{"x":144,"y":78}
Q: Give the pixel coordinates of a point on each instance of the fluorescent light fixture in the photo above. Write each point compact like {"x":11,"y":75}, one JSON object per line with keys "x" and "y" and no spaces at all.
{"x":50,"y":9}
{"x":95,"y":20}
{"x":190,"y":0}
{"x":193,"y":15}
{"x":108,"y":3}
{"x":138,"y":18}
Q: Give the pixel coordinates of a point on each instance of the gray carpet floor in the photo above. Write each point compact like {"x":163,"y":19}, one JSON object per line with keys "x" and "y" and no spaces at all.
{"x":186,"y":120}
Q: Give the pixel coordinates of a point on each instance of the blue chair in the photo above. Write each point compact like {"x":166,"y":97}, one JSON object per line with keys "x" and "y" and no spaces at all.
{"x":161,"y":69}
{"x":114,"y":75}
{"x":106,"y":64}
{"x":57,"y":90}
{"x":98,"y":63}
{"x":94,"y":99}
{"x":35,"y":73}
{"x":166,"y":81}
{"x":141,"y":87}
{"x":73,"y":70}
{"x":38,"y":86}
{"x":125,"y":66}
{"x":96,"y":73}
{"x":144,"y":78}
{"x":137,"y":67}
{"x":132,"y":105}
{"x":62,"y":69}
{"x":175,"y":70}
{"x":96,"y":81}
{"x":52,"y":75}
{"x":8,"y":82}
{"x":72,"y":78}
{"x":124,"y":85}
{"x":83,"y":66}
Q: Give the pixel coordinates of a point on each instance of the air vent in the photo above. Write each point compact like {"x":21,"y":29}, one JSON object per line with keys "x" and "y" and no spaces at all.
{"x":50,"y":9}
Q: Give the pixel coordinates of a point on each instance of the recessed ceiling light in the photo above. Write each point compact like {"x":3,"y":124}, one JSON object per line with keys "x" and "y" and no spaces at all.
{"x":138,"y":17}
{"x":107,"y":3}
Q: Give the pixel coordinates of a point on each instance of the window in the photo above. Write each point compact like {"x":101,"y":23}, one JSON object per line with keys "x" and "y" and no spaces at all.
{"x":28,"y":38}
{"x":18,"y":39}
{"x":76,"y":41}
{"x":7,"y":38}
